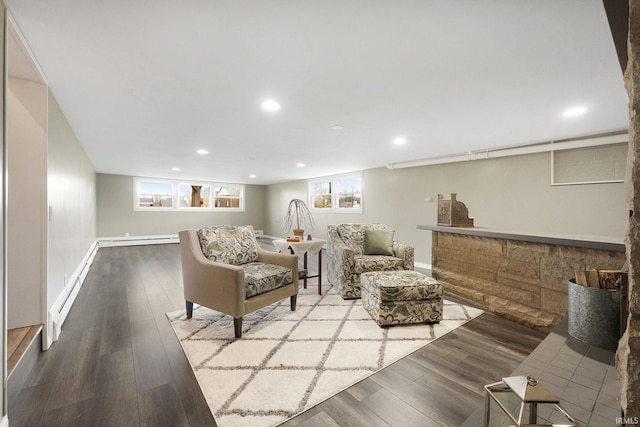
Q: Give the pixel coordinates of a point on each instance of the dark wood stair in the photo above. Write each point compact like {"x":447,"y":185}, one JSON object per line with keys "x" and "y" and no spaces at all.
{"x":19,"y":341}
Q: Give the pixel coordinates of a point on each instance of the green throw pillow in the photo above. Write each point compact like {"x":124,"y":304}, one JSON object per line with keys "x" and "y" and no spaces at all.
{"x":378,"y":242}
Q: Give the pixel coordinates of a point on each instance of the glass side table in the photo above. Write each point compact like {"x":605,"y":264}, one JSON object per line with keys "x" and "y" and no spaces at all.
{"x":520,"y":396}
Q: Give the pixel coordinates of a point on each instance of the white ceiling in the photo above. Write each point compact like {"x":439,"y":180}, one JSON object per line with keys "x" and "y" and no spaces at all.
{"x":146,"y":83}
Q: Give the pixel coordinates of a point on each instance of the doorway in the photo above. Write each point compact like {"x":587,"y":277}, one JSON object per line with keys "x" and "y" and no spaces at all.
{"x":26,"y":189}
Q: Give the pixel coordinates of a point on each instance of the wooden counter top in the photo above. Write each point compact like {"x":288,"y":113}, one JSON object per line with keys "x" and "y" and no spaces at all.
{"x":593,"y":242}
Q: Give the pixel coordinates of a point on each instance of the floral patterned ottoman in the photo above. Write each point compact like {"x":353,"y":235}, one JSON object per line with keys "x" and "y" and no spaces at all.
{"x":401,"y":297}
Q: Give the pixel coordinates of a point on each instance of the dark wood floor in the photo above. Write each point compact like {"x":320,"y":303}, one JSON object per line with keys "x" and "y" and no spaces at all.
{"x":118,"y":362}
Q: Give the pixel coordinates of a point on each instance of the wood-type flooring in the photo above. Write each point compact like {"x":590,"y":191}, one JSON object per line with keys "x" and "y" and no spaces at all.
{"x":119,"y":363}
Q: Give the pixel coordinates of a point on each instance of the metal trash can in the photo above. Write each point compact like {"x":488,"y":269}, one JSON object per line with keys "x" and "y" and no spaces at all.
{"x":594,"y":315}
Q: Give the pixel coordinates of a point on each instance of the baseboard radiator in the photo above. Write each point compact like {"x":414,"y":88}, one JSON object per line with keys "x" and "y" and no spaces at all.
{"x":106,"y":242}
{"x":60,"y":309}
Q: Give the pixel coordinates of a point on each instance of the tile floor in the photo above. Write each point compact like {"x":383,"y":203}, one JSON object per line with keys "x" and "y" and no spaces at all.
{"x":581,"y":375}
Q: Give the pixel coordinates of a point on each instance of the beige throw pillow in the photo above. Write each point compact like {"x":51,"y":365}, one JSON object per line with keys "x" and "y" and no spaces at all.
{"x":378,"y":242}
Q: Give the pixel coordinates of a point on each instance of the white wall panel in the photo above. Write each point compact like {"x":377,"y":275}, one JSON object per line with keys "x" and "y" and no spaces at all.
{"x":26,"y":202}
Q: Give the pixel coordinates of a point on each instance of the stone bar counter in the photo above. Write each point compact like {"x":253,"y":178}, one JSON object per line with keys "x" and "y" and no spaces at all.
{"x":522,"y":277}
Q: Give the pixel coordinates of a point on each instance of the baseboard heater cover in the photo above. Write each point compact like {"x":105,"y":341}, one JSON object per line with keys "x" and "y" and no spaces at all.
{"x":61,"y":307}
{"x":106,"y":242}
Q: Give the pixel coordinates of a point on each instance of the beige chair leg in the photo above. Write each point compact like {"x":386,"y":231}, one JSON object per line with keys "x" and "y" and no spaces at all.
{"x":237,"y":326}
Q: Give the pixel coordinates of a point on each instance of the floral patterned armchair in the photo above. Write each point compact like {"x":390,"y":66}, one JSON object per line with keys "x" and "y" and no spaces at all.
{"x":223,"y":268}
{"x":349,"y":255}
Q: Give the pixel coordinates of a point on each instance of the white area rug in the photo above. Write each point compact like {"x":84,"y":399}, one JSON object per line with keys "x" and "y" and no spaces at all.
{"x":288,"y":361}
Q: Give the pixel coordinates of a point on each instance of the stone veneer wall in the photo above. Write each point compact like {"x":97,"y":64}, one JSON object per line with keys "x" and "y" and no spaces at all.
{"x":628,"y":355}
{"x":521,"y":281}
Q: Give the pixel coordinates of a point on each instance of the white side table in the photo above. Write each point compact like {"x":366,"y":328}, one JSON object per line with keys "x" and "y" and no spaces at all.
{"x":302,"y":248}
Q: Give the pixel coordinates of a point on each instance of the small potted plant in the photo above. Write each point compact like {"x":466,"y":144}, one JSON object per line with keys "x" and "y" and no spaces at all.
{"x":298,"y":215}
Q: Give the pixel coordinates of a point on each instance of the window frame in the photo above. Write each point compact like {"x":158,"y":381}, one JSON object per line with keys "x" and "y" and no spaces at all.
{"x":240,"y":207}
{"x":136,"y":195}
{"x":176,"y":197}
{"x":334,"y":186}
{"x":192,"y":208}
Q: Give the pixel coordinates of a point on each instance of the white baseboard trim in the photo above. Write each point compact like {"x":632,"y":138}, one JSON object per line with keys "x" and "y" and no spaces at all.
{"x":422,"y":265}
{"x":4,"y":422}
{"x":106,"y":242}
{"x":58,"y":312}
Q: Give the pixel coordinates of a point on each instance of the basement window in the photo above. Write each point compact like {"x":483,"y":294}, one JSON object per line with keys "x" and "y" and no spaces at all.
{"x":336,"y":194}
{"x":197,"y":196}
{"x":229,"y":197}
{"x":169,"y":195}
{"x":154,"y":195}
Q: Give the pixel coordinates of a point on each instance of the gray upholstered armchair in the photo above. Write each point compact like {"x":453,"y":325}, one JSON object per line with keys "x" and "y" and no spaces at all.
{"x":353,"y":249}
{"x":224,"y":268}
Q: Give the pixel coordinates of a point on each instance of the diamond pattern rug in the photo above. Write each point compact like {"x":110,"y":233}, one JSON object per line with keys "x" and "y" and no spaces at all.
{"x":288,"y":361}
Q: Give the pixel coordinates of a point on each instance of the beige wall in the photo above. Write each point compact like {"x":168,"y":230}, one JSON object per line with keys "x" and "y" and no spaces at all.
{"x":72,"y":198}
{"x":511,"y":193}
{"x":117,"y":217}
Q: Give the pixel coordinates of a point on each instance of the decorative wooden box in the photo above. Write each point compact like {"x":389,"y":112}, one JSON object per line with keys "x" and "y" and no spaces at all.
{"x":452,"y":212}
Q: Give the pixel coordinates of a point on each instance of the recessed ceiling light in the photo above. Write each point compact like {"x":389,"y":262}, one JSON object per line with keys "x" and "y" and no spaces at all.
{"x":202,"y":151}
{"x":300,"y":165}
{"x":270,"y":105}
{"x":575,"y":111}
{"x":399,"y":140}
{"x":337,"y":127}
{"x":252,"y":176}
{"x":175,"y":169}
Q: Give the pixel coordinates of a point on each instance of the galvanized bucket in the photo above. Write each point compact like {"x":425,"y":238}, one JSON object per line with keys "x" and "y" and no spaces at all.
{"x":594,"y":315}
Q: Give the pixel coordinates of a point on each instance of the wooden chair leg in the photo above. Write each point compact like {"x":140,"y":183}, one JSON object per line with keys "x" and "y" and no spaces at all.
{"x":294,"y":298}
{"x":237,"y":326}
{"x":189,"y":309}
